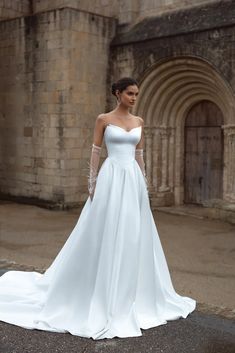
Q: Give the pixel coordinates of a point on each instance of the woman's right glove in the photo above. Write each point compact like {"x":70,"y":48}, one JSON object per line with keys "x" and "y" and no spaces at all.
{"x":93,"y":168}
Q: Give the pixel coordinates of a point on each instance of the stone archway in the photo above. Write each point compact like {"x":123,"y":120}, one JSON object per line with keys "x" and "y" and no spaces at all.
{"x":167,"y":93}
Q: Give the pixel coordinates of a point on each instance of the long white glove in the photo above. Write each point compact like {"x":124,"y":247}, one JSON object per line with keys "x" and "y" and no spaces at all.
{"x":93,"y":168}
{"x":139,"y":156}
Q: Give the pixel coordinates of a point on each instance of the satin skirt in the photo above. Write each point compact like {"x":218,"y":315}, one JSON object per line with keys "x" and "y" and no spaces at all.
{"x":111,"y":276}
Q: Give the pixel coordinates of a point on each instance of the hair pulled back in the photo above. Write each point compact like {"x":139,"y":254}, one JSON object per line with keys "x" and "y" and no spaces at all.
{"x":122,"y":84}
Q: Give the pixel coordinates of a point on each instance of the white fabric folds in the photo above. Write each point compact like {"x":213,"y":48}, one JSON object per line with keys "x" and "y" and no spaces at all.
{"x":111,"y":277}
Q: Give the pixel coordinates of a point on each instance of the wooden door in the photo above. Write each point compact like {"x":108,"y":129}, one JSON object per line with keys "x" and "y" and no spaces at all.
{"x":203,"y":153}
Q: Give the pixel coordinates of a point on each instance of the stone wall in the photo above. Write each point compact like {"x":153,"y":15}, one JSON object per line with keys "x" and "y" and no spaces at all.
{"x":126,"y":11}
{"x":50,"y":95}
{"x":101,"y":7}
{"x":14,"y":8}
{"x":150,"y":7}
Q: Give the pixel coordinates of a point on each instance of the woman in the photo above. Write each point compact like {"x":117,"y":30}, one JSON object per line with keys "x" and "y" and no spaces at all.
{"x":111,"y":278}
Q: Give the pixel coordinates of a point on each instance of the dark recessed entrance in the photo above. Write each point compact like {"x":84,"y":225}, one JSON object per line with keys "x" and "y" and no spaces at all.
{"x":203,"y":153}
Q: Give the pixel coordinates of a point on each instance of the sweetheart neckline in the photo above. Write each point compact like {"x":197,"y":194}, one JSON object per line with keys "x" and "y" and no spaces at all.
{"x":123,"y":128}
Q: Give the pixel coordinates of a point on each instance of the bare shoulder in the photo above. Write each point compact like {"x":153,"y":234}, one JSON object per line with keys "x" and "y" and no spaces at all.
{"x":103,"y":116}
{"x":103,"y":119}
{"x":100,"y":119}
{"x":141,"y":120}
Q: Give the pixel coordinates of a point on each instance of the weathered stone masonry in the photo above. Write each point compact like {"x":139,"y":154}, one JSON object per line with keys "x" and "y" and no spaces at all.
{"x":49,"y":99}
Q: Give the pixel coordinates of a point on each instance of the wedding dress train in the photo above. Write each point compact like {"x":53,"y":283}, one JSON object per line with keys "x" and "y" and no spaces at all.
{"x":111,"y":277}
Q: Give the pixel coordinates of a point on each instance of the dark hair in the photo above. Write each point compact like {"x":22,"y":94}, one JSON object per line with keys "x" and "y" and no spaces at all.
{"x":122,"y":84}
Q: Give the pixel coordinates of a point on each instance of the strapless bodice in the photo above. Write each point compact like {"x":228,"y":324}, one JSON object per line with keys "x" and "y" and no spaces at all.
{"x":120,"y":143}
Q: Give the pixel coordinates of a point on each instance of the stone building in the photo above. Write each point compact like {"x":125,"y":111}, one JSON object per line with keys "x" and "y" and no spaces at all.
{"x":57,"y":61}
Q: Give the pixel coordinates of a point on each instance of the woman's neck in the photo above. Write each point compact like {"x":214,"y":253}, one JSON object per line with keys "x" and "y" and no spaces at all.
{"x":123,"y":113}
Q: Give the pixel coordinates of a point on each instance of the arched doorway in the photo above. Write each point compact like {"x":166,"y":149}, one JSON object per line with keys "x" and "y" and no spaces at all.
{"x":168,"y":92}
{"x":203,"y":153}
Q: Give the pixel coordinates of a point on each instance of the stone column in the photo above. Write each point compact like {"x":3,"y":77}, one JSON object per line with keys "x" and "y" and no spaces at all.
{"x":171,"y":162}
{"x":148,"y":136}
{"x":229,"y":163}
{"x":165,"y":134}
{"x":156,"y":157}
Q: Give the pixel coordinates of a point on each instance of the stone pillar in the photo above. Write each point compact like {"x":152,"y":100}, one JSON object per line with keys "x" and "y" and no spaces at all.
{"x":229,"y":163}
{"x":171,"y":167}
{"x":148,"y":136}
{"x":164,"y":134}
{"x":156,"y":157}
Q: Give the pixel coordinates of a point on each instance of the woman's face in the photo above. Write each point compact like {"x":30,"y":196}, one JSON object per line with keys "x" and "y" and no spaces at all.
{"x":128,"y":96}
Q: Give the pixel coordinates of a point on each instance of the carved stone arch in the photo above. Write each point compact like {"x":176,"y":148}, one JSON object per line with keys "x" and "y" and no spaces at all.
{"x":168,"y":90}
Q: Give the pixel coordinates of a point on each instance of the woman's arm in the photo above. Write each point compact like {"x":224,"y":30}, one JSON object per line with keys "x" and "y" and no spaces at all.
{"x":139,"y":152}
{"x":98,"y":130}
{"x":140,"y":144}
{"x":95,"y":154}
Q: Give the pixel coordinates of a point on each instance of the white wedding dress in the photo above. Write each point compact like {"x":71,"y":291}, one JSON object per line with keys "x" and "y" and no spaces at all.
{"x":111,"y":277}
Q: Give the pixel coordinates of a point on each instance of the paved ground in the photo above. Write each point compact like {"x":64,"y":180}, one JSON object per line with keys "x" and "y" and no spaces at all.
{"x":199,"y":333}
{"x":201,"y":259}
